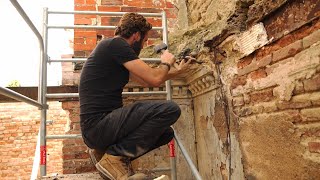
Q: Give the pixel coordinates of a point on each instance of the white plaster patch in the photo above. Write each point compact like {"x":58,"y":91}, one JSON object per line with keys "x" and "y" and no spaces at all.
{"x":252,"y":39}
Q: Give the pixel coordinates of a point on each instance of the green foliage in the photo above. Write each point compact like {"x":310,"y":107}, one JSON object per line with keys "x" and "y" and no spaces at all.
{"x":14,"y":83}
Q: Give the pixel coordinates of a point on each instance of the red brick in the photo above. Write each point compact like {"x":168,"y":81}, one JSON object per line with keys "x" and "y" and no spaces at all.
{"x":82,"y":21}
{"x":110,"y":21}
{"x":70,"y":105}
{"x":81,"y":155}
{"x":238,"y":81}
{"x":156,"y":22}
{"x":266,"y":50}
{"x":85,"y":8}
{"x":78,"y":40}
{"x":68,"y":156}
{"x":255,"y":65}
{"x":245,"y":61}
{"x":145,"y":3}
{"x":286,"y":40}
{"x":22,"y":145}
{"x":262,"y":96}
{"x":90,"y":2}
{"x":312,"y":84}
{"x":69,"y":171}
{"x":169,"y":4}
{"x":111,"y":2}
{"x":80,"y":16}
{"x":79,"y":2}
{"x":138,"y":9}
{"x":82,"y":33}
{"x":314,"y":147}
{"x":91,"y":40}
{"x":258,"y":74}
{"x":287,"y":51}
{"x":109,"y":8}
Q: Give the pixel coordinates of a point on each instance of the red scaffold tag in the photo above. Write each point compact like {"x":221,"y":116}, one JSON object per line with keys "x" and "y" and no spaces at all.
{"x":43,"y":152}
{"x":172,"y":150}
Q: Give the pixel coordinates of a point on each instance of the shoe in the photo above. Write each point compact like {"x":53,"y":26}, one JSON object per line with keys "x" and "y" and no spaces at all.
{"x":95,"y":156}
{"x":162,"y":177}
{"x":114,"y":167}
{"x":142,"y":176}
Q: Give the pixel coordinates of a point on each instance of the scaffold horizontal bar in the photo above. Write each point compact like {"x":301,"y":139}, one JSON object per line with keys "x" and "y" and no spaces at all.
{"x":103,"y":13}
{"x":88,"y":27}
{"x":19,"y":97}
{"x":65,"y":136}
{"x":84,"y":59}
{"x":76,"y":95}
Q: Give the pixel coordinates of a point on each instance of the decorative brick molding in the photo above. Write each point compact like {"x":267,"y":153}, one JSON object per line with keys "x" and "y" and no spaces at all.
{"x":201,"y":81}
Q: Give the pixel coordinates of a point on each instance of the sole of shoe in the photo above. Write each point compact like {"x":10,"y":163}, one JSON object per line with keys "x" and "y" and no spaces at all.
{"x":103,"y":172}
{"x":92,"y":157}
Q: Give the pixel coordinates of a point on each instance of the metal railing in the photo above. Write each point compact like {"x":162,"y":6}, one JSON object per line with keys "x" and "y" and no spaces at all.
{"x":42,"y":90}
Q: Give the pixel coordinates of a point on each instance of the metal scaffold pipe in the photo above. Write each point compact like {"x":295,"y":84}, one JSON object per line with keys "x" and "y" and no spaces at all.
{"x":104,"y":13}
{"x":19,"y":97}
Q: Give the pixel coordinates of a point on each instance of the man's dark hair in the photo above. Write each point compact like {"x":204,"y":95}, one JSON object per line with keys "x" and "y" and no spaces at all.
{"x":131,"y":23}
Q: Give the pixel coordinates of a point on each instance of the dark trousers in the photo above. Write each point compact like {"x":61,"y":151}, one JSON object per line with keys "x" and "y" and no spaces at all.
{"x":133,"y":130}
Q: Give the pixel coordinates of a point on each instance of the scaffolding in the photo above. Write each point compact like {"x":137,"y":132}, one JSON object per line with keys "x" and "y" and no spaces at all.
{"x":42,"y":87}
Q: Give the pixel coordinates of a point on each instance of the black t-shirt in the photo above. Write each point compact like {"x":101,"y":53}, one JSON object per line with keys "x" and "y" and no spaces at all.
{"x":103,"y":77}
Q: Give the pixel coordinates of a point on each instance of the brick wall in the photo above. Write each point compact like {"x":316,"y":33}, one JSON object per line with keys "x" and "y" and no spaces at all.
{"x":19,"y":125}
{"x":276,"y":97}
{"x":75,"y":156}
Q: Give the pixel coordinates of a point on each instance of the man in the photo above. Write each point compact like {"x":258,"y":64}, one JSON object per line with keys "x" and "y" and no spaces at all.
{"x":123,"y":133}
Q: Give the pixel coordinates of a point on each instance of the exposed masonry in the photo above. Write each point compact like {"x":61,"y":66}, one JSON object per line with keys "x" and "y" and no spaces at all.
{"x":297,"y":67}
{"x":272,"y":86}
{"x":264,"y":106}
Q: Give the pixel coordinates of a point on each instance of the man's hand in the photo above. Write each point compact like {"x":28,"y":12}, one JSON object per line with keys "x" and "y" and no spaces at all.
{"x":184,"y":64}
{"x":167,"y":57}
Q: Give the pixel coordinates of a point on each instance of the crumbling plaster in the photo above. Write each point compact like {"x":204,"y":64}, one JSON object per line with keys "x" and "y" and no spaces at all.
{"x":216,"y":30}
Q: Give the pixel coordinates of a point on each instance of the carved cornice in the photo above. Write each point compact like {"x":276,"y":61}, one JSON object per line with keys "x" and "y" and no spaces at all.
{"x":198,"y":82}
{"x":202,"y":85}
{"x":201,"y":81}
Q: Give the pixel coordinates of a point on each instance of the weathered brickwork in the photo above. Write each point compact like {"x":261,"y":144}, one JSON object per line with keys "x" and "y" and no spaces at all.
{"x":75,"y":156}
{"x":269,"y":74}
{"x":276,"y":93}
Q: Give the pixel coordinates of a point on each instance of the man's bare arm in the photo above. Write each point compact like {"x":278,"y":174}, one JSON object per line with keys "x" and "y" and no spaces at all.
{"x":139,"y":80}
{"x":151,"y":76}
{"x":182,"y":67}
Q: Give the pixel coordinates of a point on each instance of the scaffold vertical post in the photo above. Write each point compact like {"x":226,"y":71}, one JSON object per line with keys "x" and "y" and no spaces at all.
{"x":169,"y":97}
{"x":42,"y":91}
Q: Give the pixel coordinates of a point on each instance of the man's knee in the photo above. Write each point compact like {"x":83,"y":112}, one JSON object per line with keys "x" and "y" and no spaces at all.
{"x":175,"y":109}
